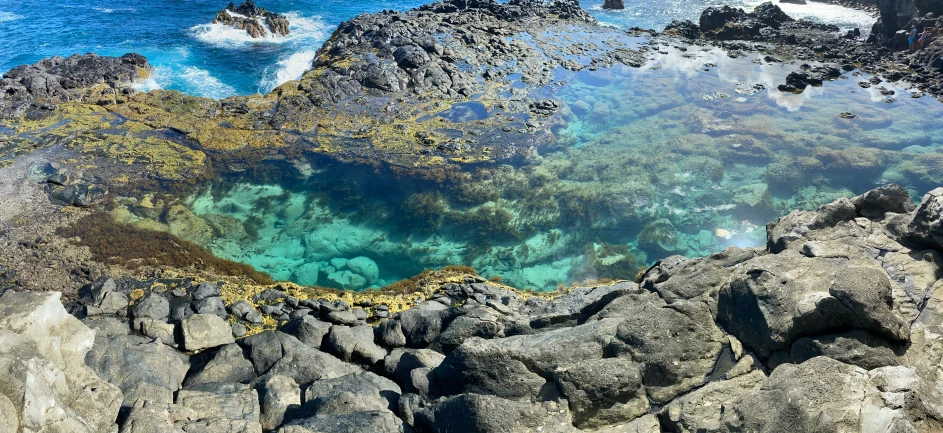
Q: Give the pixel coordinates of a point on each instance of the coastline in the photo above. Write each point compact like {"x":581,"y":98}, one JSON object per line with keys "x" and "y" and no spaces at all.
{"x":835,"y":318}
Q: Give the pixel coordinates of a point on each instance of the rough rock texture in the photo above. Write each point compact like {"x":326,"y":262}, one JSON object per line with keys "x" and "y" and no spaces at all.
{"x":46,"y":386}
{"x":834,"y":326}
{"x":62,"y":79}
{"x":257,"y":22}
{"x":203,"y":331}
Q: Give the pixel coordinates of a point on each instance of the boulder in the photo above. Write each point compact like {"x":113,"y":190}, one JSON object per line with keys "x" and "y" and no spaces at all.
{"x":613,"y":4}
{"x":702,"y":409}
{"x":354,"y":344}
{"x":204,"y":331}
{"x":358,"y":392}
{"x":926,"y":226}
{"x":245,"y":311}
{"x":603,"y":391}
{"x":468,"y":413}
{"x":375,"y":421}
{"x":130,"y":362}
{"x":306,"y":274}
{"x":308,"y":330}
{"x":205,"y":290}
{"x":45,"y":385}
{"x":227,"y":365}
{"x":346,"y":280}
{"x":280,"y":397}
{"x":221,"y":408}
{"x":820,"y":394}
{"x":152,"y":305}
{"x":524,"y":361}
{"x":273,"y":352}
{"x":103,"y":296}
{"x":365,"y":266}
{"x":774,"y":300}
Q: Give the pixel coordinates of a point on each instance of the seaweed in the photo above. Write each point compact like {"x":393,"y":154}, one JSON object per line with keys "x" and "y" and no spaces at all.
{"x":133,"y":247}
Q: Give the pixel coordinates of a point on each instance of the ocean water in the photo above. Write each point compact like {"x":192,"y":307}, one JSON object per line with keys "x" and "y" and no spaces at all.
{"x":199,"y":58}
{"x":692,"y":153}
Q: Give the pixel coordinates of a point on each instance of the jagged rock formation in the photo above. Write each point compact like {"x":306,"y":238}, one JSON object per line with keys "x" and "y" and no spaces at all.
{"x":58,"y":79}
{"x":613,"y":4}
{"x":833,"y":326}
{"x":253,"y":19}
{"x":46,"y":386}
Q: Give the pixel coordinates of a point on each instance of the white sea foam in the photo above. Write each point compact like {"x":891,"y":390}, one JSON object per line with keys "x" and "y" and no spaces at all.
{"x":311,"y":28}
{"x":843,"y":17}
{"x":9,"y":16}
{"x":205,"y":84}
{"x":287,"y":69}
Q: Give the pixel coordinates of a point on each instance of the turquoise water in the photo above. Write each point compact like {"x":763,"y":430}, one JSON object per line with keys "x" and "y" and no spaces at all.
{"x":198,"y":58}
{"x":690,"y":154}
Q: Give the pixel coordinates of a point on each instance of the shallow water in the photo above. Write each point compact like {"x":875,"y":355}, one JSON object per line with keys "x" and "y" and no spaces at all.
{"x":690,"y":154}
{"x":199,"y":58}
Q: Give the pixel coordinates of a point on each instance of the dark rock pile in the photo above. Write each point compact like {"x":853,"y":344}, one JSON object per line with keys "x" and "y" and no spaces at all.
{"x":253,"y":19}
{"x":837,"y":319}
{"x":63,"y":79}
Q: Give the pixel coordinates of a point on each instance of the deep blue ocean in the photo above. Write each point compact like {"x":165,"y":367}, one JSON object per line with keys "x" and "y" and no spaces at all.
{"x":195,"y":57}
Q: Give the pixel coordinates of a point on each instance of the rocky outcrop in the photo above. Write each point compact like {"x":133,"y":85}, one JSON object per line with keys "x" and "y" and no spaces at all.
{"x":257,"y":22}
{"x":58,"y":79}
{"x":46,"y":386}
{"x":613,"y":4}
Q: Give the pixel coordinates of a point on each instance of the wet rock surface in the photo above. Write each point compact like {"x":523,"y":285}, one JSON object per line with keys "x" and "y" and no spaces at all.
{"x":257,"y":22}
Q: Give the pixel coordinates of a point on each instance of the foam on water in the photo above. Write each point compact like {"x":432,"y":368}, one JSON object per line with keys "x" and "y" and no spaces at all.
{"x":287,"y":69}
{"x":308,"y":29}
{"x":844,"y":18}
{"x":9,"y":16}
{"x":206,"y":84}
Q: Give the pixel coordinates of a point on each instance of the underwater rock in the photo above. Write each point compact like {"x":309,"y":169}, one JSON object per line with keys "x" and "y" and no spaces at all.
{"x":366,"y":267}
{"x":306,"y":274}
{"x":661,"y":236}
{"x":347,"y":280}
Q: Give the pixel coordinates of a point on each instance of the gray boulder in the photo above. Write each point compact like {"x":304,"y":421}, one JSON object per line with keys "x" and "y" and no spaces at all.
{"x":926,"y":226}
{"x":103,"y":298}
{"x":227,"y":365}
{"x":524,"y":361}
{"x":204,"y":331}
{"x":212,"y":305}
{"x":473,"y":413}
{"x":820,"y":394}
{"x":221,"y":407}
{"x":308,"y":330}
{"x":376,"y":421}
{"x":129,"y":362}
{"x":273,"y":352}
{"x":205,"y":290}
{"x":855,"y":347}
{"x":279,"y":395}
{"x":774,"y":300}
{"x":702,"y":409}
{"x":603,"y":391}
{"x":45,"y":385}
{"x":107,"y":326}
{"x":152,"y":305}
{"x":354,"y":344}
{"x":245,"y":311}
{"x":367,"y":391}
{"x":676,"y":345}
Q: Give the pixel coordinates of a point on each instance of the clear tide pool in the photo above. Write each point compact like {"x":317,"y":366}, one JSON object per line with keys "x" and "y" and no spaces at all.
{"x":690,"y":154}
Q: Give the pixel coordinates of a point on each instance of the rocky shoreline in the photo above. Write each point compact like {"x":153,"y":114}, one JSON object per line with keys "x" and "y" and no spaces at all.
{"x":833,"y":326}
